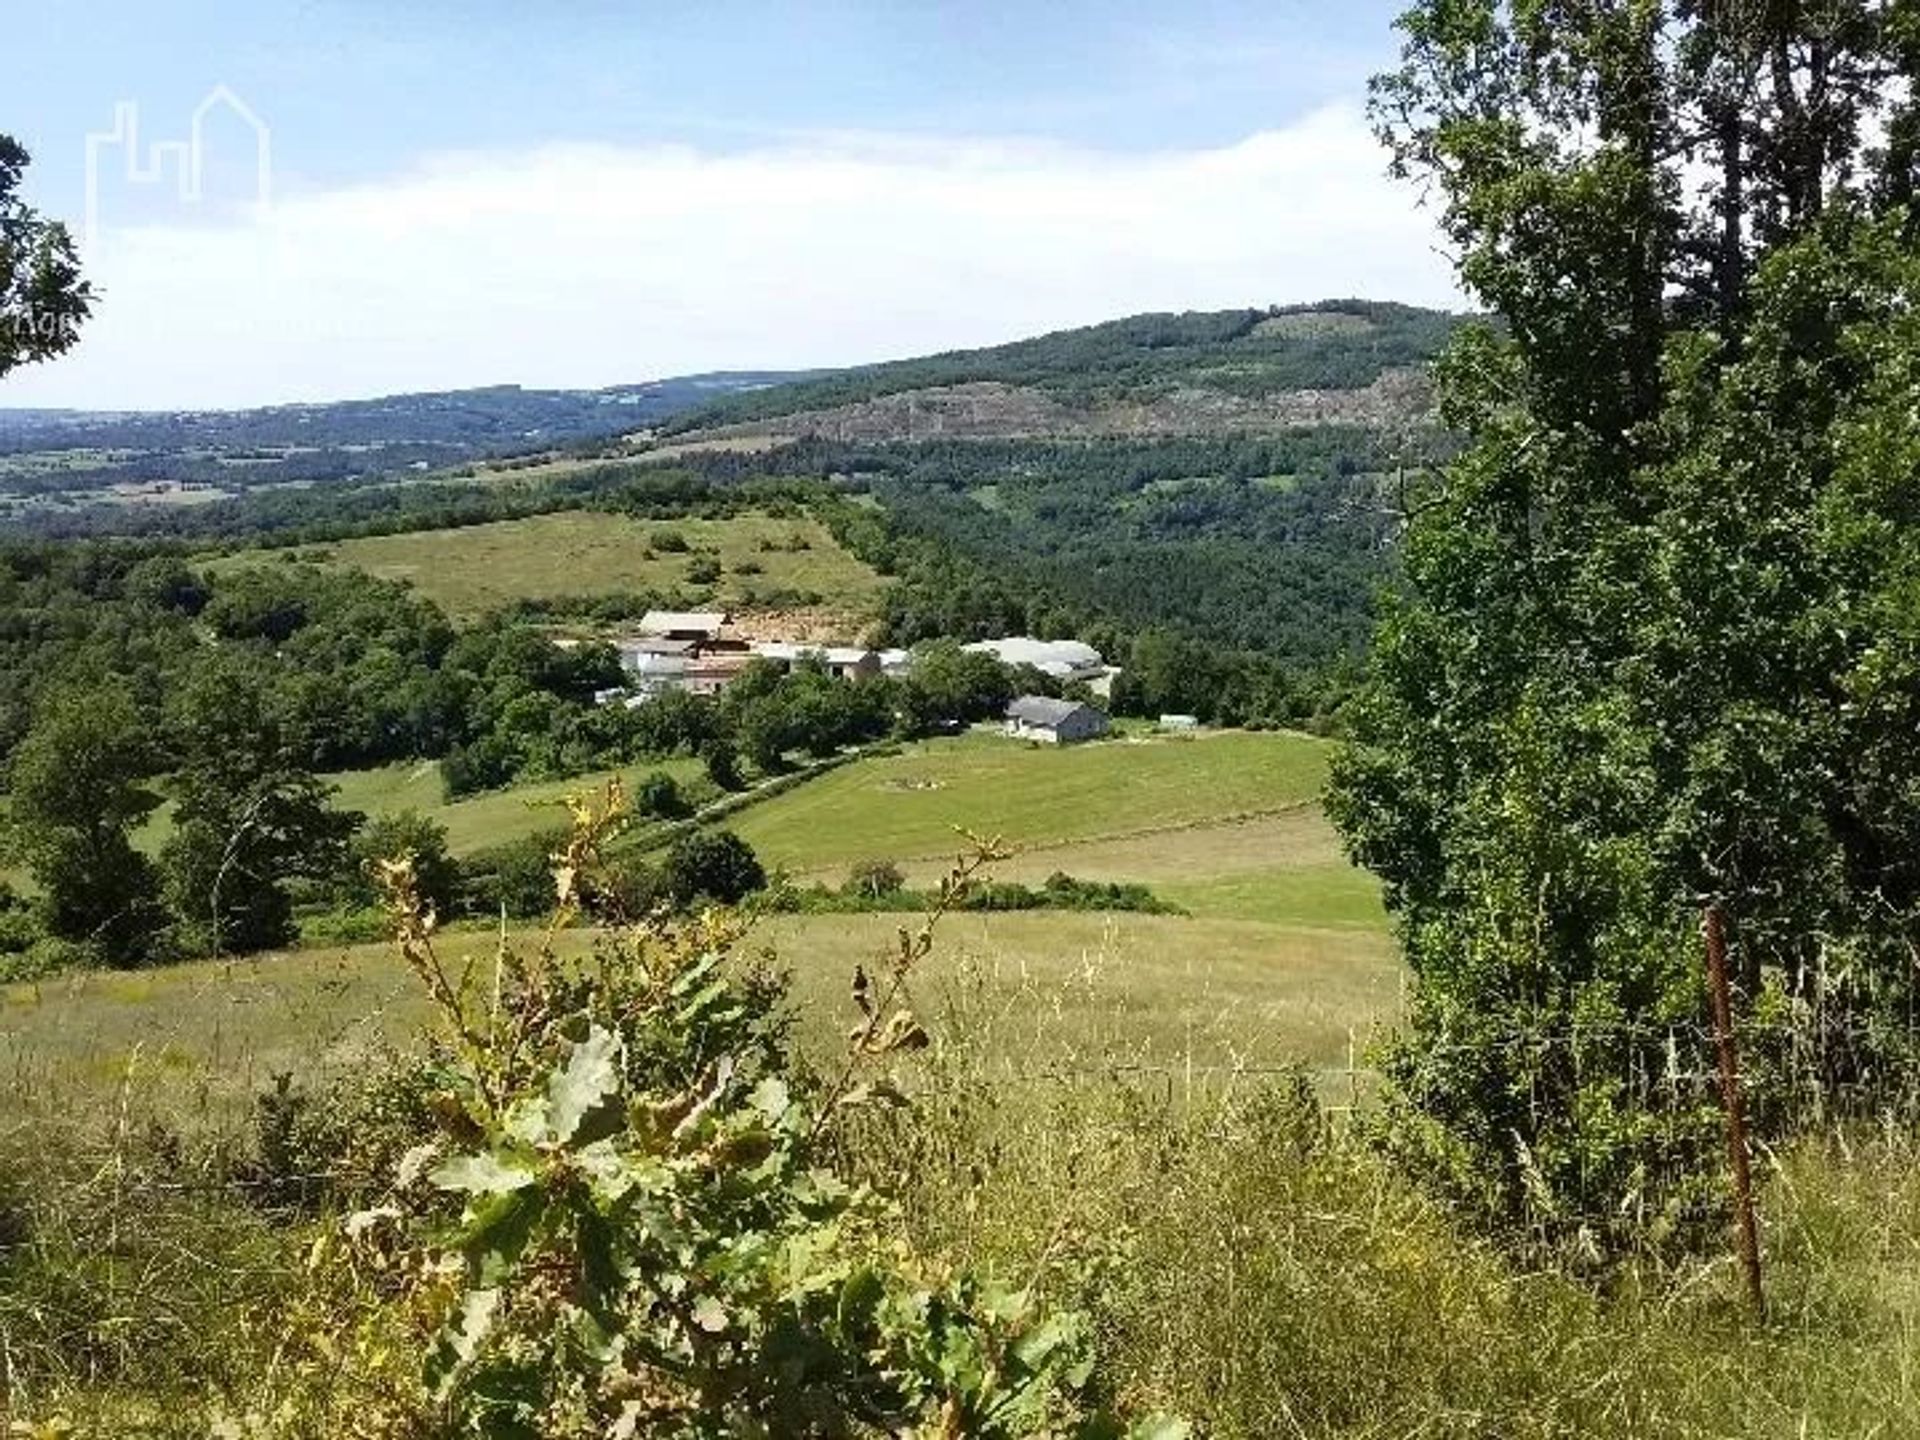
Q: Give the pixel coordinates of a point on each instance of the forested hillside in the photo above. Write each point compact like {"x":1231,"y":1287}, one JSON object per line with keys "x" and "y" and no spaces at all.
{"x":1225,"y":371}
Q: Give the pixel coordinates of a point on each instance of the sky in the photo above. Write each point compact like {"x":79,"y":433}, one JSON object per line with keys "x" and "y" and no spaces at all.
{"x":584,"y":193}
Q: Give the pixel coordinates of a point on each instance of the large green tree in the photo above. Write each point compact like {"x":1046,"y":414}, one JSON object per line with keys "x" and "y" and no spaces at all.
{"x":77,"y":790}
{"x":43,"y":299}
{"x":1655,"y":642}
{"x":250,"y":816}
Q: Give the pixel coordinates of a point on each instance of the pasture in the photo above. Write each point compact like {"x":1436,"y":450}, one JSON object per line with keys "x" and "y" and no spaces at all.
{"x":574,"y":555}
{"x":1283,"y":959}
{"x":490,"y":818}
{"x":1034,"y":992}
{"x":1226,"y":826}
{"x":910,"y":806}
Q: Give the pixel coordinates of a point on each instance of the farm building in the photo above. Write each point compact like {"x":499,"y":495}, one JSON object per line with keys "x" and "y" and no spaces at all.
{"x":702,"y":627}
{"x":1062,"y":659}
{"x":706,"y":632}
{"x":843,"y":662}
{"x":1054,"y":722}
{"x":639,"y":652}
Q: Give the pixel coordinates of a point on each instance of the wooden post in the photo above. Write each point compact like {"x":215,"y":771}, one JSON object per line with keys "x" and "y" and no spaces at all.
{"x":1747,"y":1229}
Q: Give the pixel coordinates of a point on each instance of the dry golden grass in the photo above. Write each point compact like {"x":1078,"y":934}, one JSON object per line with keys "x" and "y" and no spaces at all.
{"x":1057,"y":988}
{"x":476,"y":568}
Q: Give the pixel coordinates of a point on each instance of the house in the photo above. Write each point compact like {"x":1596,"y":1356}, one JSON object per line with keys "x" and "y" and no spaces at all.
{"x":710,"y":674}
{"x":1054,"y":722}
{"x":653,"y":674}
{"x":639,"y":652}
{"x":895,"y":663}
{"x":843,"y":662}
{"x":702,"y":627}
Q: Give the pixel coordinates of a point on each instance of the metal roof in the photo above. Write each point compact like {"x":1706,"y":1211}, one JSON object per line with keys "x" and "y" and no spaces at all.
{"x":1040,"y":710}
{"x":665,"y":622}
{"x":1069,"y":656}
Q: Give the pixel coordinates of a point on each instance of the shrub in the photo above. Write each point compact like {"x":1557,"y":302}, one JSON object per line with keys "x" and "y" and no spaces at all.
{"x":715,"y":864}
{"x":669,"y":542}
{"x":703,"y":570}
{"x":388,"y":837}
{"x":658,"y":794}
{"x":874,"y":878}
{"x":723,"y":765}
{"x":48,"y":955}
{"x":516,"y":876}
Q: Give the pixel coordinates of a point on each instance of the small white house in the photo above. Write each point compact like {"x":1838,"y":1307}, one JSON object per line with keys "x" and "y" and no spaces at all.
{"x":1054,"y":722}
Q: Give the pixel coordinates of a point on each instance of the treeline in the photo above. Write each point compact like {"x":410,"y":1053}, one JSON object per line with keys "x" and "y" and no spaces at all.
{"x":1273,"y":545}
{"x":377,"y":505}
{"x":1238,"y":351}
{"x":355,"y":439}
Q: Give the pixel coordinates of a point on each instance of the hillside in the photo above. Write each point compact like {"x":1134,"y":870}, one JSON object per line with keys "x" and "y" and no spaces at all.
{"x":1229,"y":372}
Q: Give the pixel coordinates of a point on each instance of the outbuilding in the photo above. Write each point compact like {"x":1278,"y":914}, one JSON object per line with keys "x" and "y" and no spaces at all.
{"x":1054,"y":722}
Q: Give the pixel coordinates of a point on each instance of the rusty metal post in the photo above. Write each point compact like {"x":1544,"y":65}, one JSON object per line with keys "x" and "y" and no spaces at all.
{"x":1747,"y":1228}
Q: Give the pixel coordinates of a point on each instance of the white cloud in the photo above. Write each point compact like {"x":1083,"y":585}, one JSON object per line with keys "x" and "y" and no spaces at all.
{"x":589,"y":265}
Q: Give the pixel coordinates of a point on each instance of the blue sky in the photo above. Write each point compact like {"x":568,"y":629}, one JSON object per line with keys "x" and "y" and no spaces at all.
{"x":586,"y":192}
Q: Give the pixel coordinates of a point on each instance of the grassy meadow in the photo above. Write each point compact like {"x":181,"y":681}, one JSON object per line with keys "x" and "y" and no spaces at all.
{"x":1284,"y":957}
{"x":1117,"y":1087}
{"x":576,"y":555}
{"x":492,"y":817}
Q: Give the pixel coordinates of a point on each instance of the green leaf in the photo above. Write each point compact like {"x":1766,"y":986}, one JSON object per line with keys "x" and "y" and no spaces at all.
{"x":583,"y":1099}
{"x":482,"y":1173}
{"x":860,"y":1296}
{"x":460,"y":1339}
{"x":1160,"y":1427}
{"x":499,"y":1232}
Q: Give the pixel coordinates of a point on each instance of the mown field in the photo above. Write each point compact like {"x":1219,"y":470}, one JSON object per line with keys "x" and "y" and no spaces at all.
{"x":574,"y":555}
{"x":1225,"y":825}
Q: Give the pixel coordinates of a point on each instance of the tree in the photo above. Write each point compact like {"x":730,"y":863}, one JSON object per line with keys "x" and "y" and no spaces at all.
{"x":78,"y":790}
{"x":949,"y":684}
{"x":723,"y":764}
{"x":43,"y":299}
{"x":410,"y":835}
{"x":249,"y":815}
{"x":657,"y":794}
{"x":714,"y":864}
{"x":876,"y":878}
{"x":1647,"y":650}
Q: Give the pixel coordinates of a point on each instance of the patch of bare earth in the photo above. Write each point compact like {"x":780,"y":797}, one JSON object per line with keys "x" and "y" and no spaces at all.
{"x":991,"y":410}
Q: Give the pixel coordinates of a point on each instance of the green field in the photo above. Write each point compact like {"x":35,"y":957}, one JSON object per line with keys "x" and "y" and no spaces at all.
{"x":490,"y":818}
{"x":573,"y":555}
{"x":1284,"y":956}
{"x":1224,"y":825}
{"x":472,"y":822}
{"x":907,"y":806}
